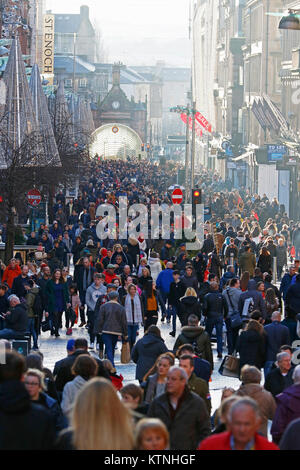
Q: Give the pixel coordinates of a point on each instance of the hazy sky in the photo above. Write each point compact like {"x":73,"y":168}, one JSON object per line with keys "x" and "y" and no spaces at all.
{"x":135,"y":20}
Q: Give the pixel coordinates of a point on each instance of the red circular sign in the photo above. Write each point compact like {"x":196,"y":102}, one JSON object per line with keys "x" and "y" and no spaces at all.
{"x":34,"y":197}
{"x":177,"y":196}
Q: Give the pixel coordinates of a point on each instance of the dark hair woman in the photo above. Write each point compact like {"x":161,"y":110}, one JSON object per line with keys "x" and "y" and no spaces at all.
{"x":58,"y":300}
{"x":264,"y":261}
{"x":272,"y":303}
{"x":251,"y":345}
{"x":245,"y":278}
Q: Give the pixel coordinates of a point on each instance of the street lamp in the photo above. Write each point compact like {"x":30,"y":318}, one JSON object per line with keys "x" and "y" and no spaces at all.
{"x":291,"y":21}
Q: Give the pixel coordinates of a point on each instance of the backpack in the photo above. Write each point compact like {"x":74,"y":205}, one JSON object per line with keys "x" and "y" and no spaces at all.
{"x":195,"y":345}
{"x":248,"y":307}
{"x":38,"y":305}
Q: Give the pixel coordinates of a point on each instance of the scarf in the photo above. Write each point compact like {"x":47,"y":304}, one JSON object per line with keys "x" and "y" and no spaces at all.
{"x":87,"y":279}
{"x":136,"y":315}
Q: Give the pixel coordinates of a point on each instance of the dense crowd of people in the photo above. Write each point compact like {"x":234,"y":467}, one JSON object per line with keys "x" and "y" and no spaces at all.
{"x":240,"y":290}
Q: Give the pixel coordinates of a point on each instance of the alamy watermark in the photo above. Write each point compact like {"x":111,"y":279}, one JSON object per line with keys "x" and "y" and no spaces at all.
{"x":159,"y":217}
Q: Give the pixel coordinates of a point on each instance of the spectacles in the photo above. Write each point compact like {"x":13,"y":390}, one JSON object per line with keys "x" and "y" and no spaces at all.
{"x":36,"y":384}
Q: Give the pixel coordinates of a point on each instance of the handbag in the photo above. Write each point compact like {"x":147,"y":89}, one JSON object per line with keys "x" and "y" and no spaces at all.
{"x":230,"y":366}
{"x":235,"y":317}
{"x":45,"y":326}
{"x":125,"y":353}
{"x":71,"y":315}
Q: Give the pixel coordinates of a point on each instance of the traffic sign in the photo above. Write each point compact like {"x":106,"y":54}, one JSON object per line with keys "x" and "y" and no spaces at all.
{"x":34,"y":197}
{"x":177,"y":196}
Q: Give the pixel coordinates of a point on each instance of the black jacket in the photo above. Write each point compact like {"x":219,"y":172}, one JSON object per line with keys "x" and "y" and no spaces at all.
{"x":23,"y":425}
{"x":79,"y":274}
{"x":252,"y":348}
{"x":18,"y":286}
{"x":65,"y":375}
{"x":276,"y":383}
{"x":18,"y":319}
{"x":215,"y":306}
{"x":190,"y":305}
{"x":293,"y":297}
{"x":145,"y":352}
{"x":177,"y":290}
{"x":277,"y":335}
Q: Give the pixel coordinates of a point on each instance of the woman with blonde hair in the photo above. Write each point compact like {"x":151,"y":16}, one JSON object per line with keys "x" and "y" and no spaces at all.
{"x":99,"y":421}
{"x":151,"y":434}
{"x":189,"y":305}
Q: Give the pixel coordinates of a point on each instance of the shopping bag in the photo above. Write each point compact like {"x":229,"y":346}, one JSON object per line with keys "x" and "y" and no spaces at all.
{"x":45,"y":326}
{"x":230,"y":366}
{"x":125,"y":353}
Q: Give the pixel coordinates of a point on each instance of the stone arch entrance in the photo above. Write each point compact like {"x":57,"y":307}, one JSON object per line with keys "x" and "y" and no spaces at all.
{"x":115,"y":141}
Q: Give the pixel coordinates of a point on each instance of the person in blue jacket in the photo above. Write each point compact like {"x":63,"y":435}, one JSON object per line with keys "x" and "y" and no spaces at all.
{"x":163,"y":283}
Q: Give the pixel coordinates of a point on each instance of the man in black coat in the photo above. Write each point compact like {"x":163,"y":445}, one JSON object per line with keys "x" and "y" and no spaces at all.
{"x":24,"y":425}
{"x":16,"y":319}
{"x":277,"y":336}
{"x":215,"y":309}
{"x":64,"y":374}
{"x":183,"y":412}
{"x":281,"y":377}
{"x":83,"y":277}
{"x":20,"y":285}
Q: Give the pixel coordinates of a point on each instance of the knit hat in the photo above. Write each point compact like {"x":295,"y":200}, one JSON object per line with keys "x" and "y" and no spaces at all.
{"x":153,"y":254}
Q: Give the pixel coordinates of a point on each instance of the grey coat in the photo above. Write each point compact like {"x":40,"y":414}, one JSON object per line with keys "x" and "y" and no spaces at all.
{"x":235,"y":295}
{"x":191,"y":423}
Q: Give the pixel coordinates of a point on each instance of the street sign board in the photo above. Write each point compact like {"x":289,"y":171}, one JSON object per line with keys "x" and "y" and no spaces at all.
{"x":177,"y":196}
{"x":276,"y":153}
{"x":34,"y":197}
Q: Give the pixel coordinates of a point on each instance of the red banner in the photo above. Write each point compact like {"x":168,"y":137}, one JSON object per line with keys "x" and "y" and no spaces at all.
{"x":204,"y":122}
{"x":198,"y":130}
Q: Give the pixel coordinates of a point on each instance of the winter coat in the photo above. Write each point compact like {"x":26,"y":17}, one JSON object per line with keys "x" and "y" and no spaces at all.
{"x":288,"y":409}
{"x":51,"y":296}
{"x":285,"y":284}
{"x":79,"y":275}
{"x":17,"y":320}
{"x":296,"y":238}
{"x":281,"y":255}
{"x":150,"y":389}
{"x":23,"y":424}
{"x":265,"y":401}
{"x":259,"y":303}
{"x":30,"y":298}
{"x":234,"y":294}
{"x":196,"y":335}
{"x":214,"y":306}
{"x":275,"y":382}
{"x":55,"y":410}
{"x":276,"y":335}
{"x":145,"y":352}
{"x":200,"y":387}
{"x":164,"y":280}
{"x":177,"y":290}
{"x":18,"y":286}
{"x":264,"y":263}
{"x":225,"y":278}
{"x":247,"y":262}
{"x":290,"y":439}
{"x":155,"y":267}
{"x":222,"y":442}
{"x":70,"y":392}
{"x":111,"y":319}
{"x":189,"y":426}
{"x":252,"y":348}
{"x":293,"y":297}
{"x":190,"y":281}
{"x":189,"y":305}
{"x":291,"y":324}
{"x":10,"y":274}
{"x":133,"y":250}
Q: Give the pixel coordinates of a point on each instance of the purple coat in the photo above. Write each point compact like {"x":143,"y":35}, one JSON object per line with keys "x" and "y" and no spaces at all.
{"x":288,"y":409}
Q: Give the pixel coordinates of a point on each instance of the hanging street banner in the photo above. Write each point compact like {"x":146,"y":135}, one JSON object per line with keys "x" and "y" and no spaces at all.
{"x":203,"y":121}
{"x":199,"y":132}
{"x":48,"y":47}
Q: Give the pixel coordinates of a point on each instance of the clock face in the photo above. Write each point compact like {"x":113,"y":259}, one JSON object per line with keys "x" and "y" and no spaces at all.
{"x":116,"y":105}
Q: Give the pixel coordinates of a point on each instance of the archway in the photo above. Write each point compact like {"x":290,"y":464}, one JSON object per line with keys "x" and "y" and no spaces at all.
{"x":115,"y":141}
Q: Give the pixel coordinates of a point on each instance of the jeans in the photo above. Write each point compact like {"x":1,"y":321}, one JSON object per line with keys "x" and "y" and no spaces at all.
{"x":232,"y":336}
{"x":110,"y":342}
{"x":132,"y":330}
{"x":173,"y":311}
{"x":268,"y":367}
{"x":8,"y":333}
{"x":218,"y":323}
{"x":32,"y":331}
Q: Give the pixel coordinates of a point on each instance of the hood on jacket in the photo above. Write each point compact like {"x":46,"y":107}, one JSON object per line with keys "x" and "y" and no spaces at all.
{"x":189,"y":300}
{"x":228,"y":275}
{"x":34,"y":290}
{"x":251,"y":285}
{"x":153,"y":261}
{"x":78,"y":382}
{"x":254,"y":390}
{"x":149,"y":339}
{"x":192,"y":331}
{"x":14,"y":398}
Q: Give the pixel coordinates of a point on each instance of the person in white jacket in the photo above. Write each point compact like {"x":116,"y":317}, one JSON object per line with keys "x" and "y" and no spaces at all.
{"x":155,"y":265}
{"x":84,"y":368}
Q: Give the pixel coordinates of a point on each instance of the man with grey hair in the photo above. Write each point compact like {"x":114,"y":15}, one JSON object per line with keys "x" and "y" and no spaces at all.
{"x":288,"y":407}
{"x":251,"y":378}
{"x":276,"y":336}
{"x":111,"y":322}
{"x":281,"y":377}
{"x":243,"y":425}
{"x":16,"y":319}
{"x":183,"y":412}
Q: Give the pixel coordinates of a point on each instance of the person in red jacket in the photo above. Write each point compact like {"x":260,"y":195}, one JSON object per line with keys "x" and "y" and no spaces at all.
{"x":109,"y":274}
{"x":244,"y":422}
{"x":12,"y":271}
